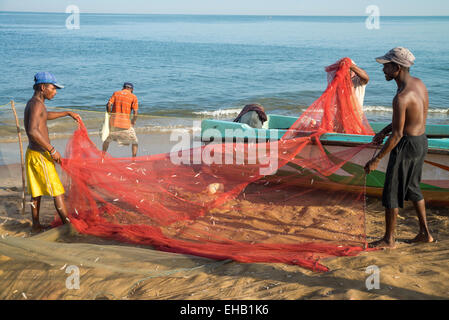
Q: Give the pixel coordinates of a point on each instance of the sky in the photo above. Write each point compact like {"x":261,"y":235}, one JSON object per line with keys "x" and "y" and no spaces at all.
{"x":244,"y":7}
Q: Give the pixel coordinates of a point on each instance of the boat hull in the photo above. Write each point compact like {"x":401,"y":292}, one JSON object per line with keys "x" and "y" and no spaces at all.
{"x":435,"y":176}
{"x":434,"y":184}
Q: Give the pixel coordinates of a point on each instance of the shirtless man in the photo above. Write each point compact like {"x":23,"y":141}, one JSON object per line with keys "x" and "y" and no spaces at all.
{"x":407,"y":143}
{"x":42,"y":178}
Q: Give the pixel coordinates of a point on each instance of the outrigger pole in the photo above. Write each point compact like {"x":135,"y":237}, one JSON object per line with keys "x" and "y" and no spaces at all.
{"x":21,"y":156}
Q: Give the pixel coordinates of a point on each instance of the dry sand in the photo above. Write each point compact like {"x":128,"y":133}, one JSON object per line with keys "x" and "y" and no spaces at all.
{"x":34,"y":267}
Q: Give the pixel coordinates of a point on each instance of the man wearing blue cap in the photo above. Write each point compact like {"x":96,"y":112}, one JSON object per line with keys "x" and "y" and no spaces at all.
{"x":120,"y":106}
{"x":42,"y":177}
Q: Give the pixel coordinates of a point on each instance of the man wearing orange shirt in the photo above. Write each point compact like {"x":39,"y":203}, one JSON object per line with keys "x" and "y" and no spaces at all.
{"x":120,"y":106}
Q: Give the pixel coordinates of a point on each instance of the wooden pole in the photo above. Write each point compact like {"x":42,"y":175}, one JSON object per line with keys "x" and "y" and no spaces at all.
{"x":21,"y":156}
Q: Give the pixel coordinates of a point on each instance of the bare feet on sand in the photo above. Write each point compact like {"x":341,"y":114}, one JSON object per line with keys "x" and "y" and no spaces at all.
{"x":38,"y":228}
{"x":70,"y":230}
{"x":421,"y":237}
{"x":383,"y":243}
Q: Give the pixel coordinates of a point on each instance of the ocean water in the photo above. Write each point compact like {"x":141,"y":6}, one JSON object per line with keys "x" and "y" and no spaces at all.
{"x":194,"y":67}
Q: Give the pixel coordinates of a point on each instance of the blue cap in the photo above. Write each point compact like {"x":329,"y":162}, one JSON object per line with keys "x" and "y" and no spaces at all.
{"x":46,"y":77}
{"x":128,"y":84}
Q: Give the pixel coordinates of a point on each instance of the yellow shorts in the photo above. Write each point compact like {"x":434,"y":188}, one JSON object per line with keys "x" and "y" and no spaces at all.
{"x":42,"y":177}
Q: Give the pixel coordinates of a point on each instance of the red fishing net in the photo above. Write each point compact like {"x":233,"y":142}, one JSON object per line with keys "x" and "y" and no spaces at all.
{"x":290,"y":201}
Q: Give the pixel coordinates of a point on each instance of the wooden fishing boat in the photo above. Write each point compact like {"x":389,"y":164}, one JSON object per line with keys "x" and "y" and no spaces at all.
{"x":435,"y":177}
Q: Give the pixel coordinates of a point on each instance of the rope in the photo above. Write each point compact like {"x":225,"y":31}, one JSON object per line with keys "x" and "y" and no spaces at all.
{"x":364,"y":196}
{"x":95,"y":111}
{"x":364,"y":211}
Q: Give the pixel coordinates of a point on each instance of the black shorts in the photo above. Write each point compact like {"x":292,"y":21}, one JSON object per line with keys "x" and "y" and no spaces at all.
{"x":404,"y":172}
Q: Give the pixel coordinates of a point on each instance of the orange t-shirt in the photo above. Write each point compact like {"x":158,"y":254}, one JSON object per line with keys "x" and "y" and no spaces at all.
{"x":123,"y":102}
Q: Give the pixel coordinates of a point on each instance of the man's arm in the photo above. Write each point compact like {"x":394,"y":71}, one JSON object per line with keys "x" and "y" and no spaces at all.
{"x":380,"y":136}
{"x":35,"y":133}
{"x":399,"y":107}
{"x":109,"y":107}
{"x":110,"y":103}
{"x":364,"y":78}
{"x":56,"y":115}
{"x":135,"y":107}
{"x":134,"y":119}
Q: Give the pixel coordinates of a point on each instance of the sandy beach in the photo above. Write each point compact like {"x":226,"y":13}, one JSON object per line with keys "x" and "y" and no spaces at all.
{"x":38,"y":266}
{"x":199,"y":60}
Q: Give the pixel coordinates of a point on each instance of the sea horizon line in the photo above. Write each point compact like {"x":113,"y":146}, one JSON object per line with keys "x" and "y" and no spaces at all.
{"x":226,"y":14}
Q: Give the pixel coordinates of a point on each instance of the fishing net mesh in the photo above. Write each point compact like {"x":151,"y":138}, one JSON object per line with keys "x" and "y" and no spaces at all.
{"x":285,"y":201}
